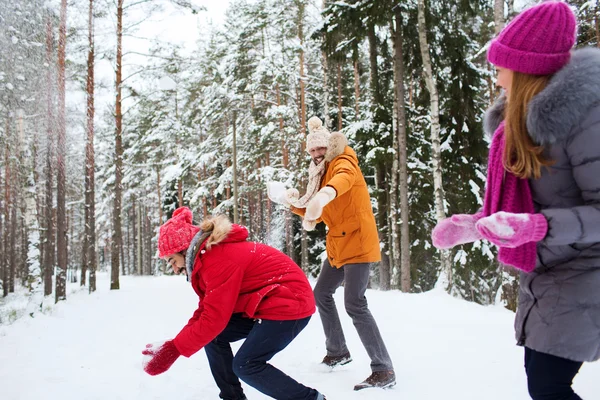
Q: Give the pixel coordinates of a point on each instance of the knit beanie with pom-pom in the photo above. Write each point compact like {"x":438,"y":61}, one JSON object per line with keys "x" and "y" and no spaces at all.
{"x":176,"y":234}
{"x":318,"y":135}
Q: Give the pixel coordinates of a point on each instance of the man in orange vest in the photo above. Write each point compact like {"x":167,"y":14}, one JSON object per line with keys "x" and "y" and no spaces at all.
{"x":337,"y":195}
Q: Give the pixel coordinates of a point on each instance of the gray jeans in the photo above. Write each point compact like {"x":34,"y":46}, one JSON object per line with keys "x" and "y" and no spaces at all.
{"x":356,"y":277}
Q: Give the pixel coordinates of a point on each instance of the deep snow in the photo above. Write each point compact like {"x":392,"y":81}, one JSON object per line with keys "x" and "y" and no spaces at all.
{"x":90,"y":348}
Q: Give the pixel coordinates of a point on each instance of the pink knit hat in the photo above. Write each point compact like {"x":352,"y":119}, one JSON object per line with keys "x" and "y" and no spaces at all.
{"x":176,"y":234}
{"x":538,"y":41}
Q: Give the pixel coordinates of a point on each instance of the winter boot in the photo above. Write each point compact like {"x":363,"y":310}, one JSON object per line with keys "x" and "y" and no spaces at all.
{"x":334,"y":361}
{"x":378,"y":379}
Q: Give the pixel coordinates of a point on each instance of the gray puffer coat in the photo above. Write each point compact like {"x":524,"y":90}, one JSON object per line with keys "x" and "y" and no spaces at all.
{"x":559,"y":302}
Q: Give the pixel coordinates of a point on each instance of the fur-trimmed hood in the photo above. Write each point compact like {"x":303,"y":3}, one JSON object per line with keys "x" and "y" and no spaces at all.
{"x":554,"y":113}
{"x":336,"y":146}
{"x":213,"y":231}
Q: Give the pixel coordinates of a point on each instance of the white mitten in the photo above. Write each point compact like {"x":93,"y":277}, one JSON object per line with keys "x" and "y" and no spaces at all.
{"x":314,"y":208}
{"x":292,"y":195}
{"x":308,"y":225}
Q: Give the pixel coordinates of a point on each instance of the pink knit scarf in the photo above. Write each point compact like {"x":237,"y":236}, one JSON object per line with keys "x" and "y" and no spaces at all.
{"x":506,"y":192}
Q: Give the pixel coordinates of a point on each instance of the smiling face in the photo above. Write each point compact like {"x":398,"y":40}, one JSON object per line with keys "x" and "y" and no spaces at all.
{"x":318,"y":154}
{"x":504,"y":79}
{"x":176,"y":261}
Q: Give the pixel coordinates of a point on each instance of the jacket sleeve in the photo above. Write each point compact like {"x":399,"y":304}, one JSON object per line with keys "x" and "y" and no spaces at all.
{"x":197,"y":314}
{"x":580,"y":224}
{"x":223,"y":283}
{"x":301,"y":212}
{"x":343,"y":177}
{"x":298,"y":211}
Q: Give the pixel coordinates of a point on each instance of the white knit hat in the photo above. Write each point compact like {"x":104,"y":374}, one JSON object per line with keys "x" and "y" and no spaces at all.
{"x":318,"y":135}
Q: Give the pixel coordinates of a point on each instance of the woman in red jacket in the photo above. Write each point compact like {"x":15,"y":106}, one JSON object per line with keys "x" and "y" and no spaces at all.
{"x":247,"y":290}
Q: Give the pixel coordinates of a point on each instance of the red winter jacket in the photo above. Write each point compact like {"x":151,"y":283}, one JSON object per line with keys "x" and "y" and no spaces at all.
{"x":236,"y":276}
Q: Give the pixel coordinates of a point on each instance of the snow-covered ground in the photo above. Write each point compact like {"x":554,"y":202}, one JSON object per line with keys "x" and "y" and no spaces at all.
{"x":90,"y":348}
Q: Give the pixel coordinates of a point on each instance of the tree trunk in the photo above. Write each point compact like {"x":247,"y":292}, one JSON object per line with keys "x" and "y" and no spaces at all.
{"x":498,"y":16}
{"x":402,"y":157}
{"x":284,"y":152}
{"x":136,"y":236}
{"x":356,"y":90}
{"x":86,"y":238}
{"x":160,"y":211}
{"x":117,"y":238}
{"x":373,"y":64}
{"x":436,"y":153}
{"x":139,"y":240}
{"x":382,"y":213}
{"x":236,"y":217}
{"x":37,"y":195}
{"x":268,"y":210}
{"x":13,"y":234}
{"x":149,"y":247}
{"x":49,"y":225}
{"x":7,"y":206}
{"x":61,"y":154}
{"x":326,"y":119}
{"x":127,"y":245}
{"x":393,"y":215}
{"x":89,"y":247}
{"x":339,"y":96}
{"x":301,"y":14}
{"x":301,"y":7}
{"x":289,"y":244}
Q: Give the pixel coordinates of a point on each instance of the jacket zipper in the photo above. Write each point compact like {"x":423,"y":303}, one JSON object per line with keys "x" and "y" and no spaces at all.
{"x":523,"y":337}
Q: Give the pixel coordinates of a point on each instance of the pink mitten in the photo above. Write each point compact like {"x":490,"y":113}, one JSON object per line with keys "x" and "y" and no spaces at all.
{"x":160,"y":357}
{"x":506,"y":229}
{"x":458,"y":229}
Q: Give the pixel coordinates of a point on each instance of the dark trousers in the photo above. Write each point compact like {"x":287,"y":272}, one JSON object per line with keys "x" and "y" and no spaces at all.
{"x":550,"y":377}
{"x":264,"y":339}
{"x":356,"y":278}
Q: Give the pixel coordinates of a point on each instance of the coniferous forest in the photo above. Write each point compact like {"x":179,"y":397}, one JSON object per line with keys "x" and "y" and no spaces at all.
{"x":91,"y":167}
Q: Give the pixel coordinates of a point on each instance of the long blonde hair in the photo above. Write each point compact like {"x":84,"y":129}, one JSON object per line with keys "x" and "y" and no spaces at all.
{"x":522,"y":156}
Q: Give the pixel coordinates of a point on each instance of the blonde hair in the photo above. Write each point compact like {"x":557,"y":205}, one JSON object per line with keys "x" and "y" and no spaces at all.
{"x":218,"y":227}
{"x":522,"y":156}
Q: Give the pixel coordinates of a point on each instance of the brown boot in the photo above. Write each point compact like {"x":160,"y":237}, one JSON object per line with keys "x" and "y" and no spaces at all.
{"x":378,"y":379}
{"x":334,"y":361}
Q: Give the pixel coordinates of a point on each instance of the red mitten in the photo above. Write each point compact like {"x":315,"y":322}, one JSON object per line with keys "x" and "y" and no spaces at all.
{"x":159,"y":357}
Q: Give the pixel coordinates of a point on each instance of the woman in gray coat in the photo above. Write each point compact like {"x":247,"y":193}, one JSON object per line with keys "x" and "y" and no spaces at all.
{"x":542,"y":201}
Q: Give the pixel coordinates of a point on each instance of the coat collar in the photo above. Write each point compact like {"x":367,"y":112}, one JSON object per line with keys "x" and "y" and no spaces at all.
{"x":336,"y":146}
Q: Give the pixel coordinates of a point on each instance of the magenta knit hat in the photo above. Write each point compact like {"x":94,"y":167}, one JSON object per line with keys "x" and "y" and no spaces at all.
{"x":176,"y":234}
{"x":538,"y":41}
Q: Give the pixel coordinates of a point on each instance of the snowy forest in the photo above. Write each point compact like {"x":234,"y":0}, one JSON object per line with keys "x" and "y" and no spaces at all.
{"x":98,"y":146}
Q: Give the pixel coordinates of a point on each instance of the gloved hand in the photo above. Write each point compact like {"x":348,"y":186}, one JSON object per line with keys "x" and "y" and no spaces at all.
{"x":159,"y":357}
{"x":278,"y":193}
{"x":314,"y":208}
{"x":506,"y":229}
{"x":308,"y":225}
{"x":458,"y":229}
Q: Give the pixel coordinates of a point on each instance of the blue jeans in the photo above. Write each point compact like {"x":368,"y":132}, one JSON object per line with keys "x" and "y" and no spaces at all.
{"x":264,"y":339}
